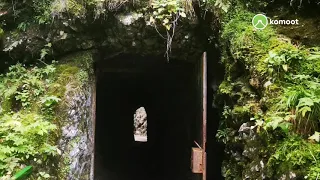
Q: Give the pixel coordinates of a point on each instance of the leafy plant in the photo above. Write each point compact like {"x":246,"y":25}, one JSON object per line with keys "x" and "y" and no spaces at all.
{"x":27,"y":129}
{"x":222,"y":4}
{"x":45,"y":51}
{"x":23,"y":138}
{"x":224,"y":135}
{"x":294,"y":154}
{"x":282,"y":60}
{"x":302,"y":100}
{"x":166,"y":12}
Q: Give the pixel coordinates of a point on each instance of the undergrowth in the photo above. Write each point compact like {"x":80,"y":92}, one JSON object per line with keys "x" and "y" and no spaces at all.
{"x":274,"y":84}
{"x":29,"y":125}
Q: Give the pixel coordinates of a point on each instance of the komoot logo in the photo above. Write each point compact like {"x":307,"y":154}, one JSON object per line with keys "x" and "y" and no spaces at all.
{"x":260,"y":21}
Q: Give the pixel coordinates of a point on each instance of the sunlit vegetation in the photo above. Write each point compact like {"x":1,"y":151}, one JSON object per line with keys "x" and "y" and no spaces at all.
{"x":27,"y":123}
{"x":271,"y":83}
{"x":30,"y":116}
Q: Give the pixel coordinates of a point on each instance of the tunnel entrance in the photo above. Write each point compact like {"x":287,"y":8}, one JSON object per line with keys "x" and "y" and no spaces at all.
{"x":170,"y":96}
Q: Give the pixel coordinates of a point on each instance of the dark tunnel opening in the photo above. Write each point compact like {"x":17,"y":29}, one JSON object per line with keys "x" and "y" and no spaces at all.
{"x":215,"y":149}
{"x":168,"y":93}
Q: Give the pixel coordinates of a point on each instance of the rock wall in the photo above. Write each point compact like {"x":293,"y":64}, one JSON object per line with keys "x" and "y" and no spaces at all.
{"x":127,"y":31}
{"x":259,"y":118}
{"x":77,"y":130}
{"x":77,"y":134}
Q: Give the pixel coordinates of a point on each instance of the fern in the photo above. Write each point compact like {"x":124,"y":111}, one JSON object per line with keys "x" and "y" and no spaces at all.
{"x":26,"y":125}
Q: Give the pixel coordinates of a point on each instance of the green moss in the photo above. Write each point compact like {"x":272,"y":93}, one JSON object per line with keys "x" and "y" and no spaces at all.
{"x":82,"y":77}
{"x":66,"y":73}
{"x":73,"y":7}
{"x":311,"y":64}
{"x":64,"y":168}
{"x":225,"y":87}
{"x":6,"y":105}
{"x":241,"y":110}
{"x":252,"y":60}
{"x":82,"y":60}
{"x":37,"y":95}
{"x":294,"y":155}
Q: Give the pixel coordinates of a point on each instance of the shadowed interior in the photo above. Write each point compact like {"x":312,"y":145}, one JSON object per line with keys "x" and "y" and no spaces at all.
{"x":167,"y":92}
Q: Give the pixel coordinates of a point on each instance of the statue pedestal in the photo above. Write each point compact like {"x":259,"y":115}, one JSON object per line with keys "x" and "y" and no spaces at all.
{"x":140,"y":138}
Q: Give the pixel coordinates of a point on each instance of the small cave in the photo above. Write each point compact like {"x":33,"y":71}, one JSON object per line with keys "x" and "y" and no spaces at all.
{"x":168,"y":92}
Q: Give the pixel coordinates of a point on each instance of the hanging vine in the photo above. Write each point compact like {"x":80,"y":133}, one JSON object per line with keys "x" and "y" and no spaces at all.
{"x":168,"y":13}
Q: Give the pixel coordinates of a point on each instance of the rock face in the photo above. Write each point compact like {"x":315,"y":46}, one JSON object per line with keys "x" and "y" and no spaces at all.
{"x":130,"y":33}
{"x":77,"y":135}
{"x":140,"y":124}
{"x":123,"y":32}
{"x":77,"y":138}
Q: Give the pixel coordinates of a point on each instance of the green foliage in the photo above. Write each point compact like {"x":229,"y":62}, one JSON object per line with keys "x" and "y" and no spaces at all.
{"x":297,"y":155}
{"x":274,"y":122}
{"x":24,"y":137}
{"x":275,"y":84}
{"x":281,"y":61}
{"x":30,"y":99}
{"x":244,"y":45}
{"x":269,"y":57}
{"x":27,"y":129}
{"x":45,"y":51}
{"x":21,"y":85}
{"x":221,"y":4}
{"x":74,"y":7}
{"x":168,"y":12}
{"x":225,"y":87}
{"x":224,"y":135}
{"x":314,"y":171}
{"x":42,"y":11}
{"x":311,"y":65}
